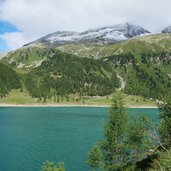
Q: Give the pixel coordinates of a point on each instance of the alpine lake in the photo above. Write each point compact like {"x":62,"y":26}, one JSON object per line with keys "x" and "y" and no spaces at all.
{"x":31,"y":135}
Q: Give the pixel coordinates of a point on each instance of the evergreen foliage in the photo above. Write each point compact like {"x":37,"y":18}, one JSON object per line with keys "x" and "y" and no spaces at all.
{"x":125,"y":141}
{"x":64,"y":74}
{"x":8,"y":80}
{"x":147,"y":82}
{"x":144,"y":74}
{"x":51,"y":166}
{"x":163,"y":163}
{"x":165,"y":126}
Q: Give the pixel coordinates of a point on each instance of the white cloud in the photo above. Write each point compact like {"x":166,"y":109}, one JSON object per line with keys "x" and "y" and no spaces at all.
{"x":14,"y":40}
{"x":36,"y":18}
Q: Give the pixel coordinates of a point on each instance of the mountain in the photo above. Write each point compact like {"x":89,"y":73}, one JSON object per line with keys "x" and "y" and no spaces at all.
{"x":31,"y":56}
{"x":142,"y":63}
{"x":167,"y":30}
{"x":103,"y":35}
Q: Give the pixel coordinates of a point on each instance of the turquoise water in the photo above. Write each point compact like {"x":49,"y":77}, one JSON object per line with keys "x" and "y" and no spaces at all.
{"x":30,"y":136}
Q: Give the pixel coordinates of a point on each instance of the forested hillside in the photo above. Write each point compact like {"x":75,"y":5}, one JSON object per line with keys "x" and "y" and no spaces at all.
{"x":65,"y":74}
{"x":8,"y":80}
{"x":146,"y":76}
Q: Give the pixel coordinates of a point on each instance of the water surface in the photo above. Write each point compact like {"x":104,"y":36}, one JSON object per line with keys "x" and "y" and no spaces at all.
{"x":30,"y":136}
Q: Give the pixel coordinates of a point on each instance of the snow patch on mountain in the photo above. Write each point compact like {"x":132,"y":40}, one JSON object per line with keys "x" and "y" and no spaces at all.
{"x":110,"y":34}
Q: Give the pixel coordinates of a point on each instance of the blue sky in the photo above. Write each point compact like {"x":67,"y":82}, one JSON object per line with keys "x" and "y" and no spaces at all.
{"x":5,"y":27}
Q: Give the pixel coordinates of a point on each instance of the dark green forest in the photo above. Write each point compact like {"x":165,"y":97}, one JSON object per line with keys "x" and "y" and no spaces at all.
{"x":144,"y":75}
{"x":148,"y":82}
{"x":9,"y":79}
{"x":64,"y":74}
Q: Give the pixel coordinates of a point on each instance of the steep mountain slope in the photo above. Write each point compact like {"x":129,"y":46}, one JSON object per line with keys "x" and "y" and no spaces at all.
{"x":8,"y":80}
{"x":167,"y":30}
{"x":100,"y":36}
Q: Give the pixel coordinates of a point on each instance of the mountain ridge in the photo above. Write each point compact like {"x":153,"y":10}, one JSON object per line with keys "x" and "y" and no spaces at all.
{"x":101,"y":35}
{"x":31,"y":56}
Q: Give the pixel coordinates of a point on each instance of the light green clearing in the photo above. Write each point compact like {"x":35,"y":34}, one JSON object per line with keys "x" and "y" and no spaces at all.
{"x":19,"y":98}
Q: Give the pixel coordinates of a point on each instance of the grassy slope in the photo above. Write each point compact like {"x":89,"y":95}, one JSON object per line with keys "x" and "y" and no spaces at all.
{"x":155,"y":43}
{"x":28,"y":57}
{"x":19,"y":98}
{"x":152,"y":43}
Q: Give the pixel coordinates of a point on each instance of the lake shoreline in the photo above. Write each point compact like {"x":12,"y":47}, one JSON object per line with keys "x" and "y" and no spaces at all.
{"x":69,"y":105}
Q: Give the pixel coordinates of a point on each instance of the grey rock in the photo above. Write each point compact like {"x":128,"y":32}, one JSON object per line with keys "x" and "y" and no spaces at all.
{"x":167,"y":30}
